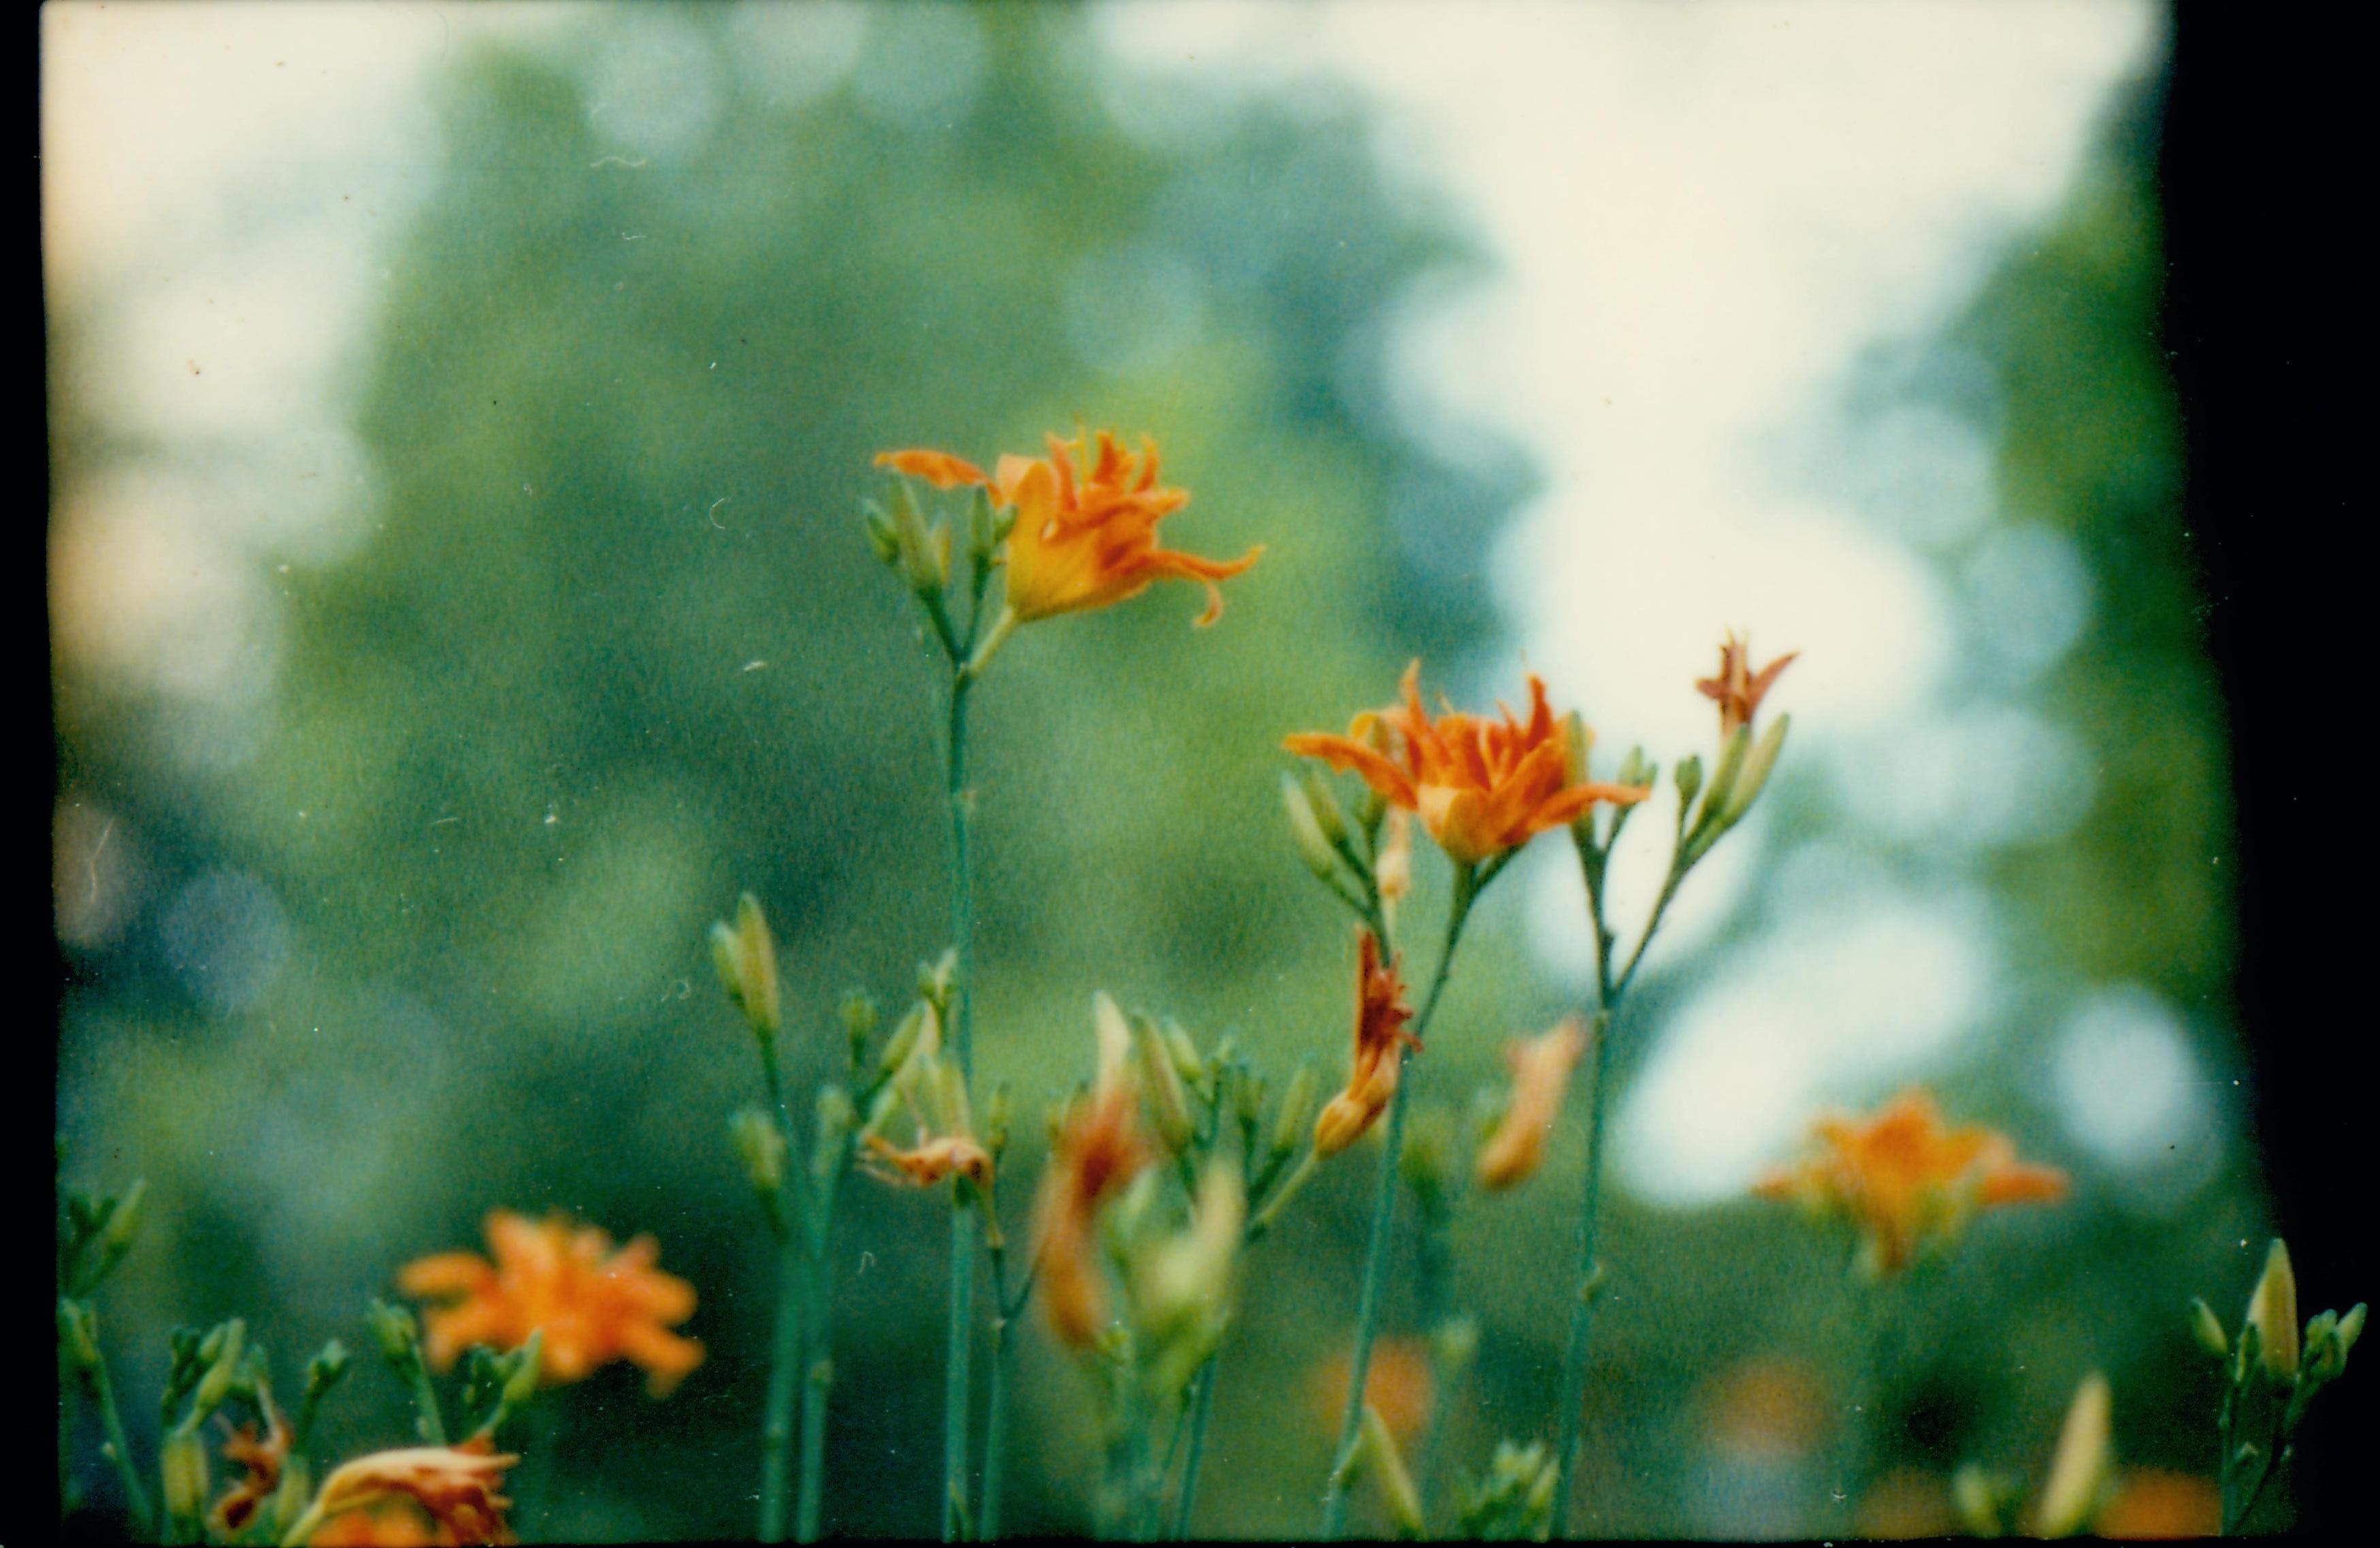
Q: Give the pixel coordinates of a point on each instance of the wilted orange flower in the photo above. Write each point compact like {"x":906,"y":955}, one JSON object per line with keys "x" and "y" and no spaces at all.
{"x":1397,"y":1383}
{"x":1083,"y":538}
{"x":262,"y":1458}
{"x":1737,"y":688}
{"x":1902,"y":1176}
{"x":455,"y":1486}
{"x":930,"y":1160}
{"x":1381,"y":1039}
{"x":595,"y":1305}
{"x":1098,"y":1150}
{"x":1480,"y":786}
{"x":1541,"y":1068}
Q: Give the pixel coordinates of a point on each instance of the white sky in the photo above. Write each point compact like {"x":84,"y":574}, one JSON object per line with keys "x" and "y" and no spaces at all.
{"x":1700,"y":215}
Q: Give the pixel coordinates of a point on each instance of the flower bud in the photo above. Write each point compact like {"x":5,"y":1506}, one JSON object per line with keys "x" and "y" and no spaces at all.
{"x":859,"y":1022}
{"x":2273,"y":1312}
{"x":1755,"y":776}
{"x":762,"y":1147}
{"x":983,"y":530}
{"x":394,"y":1331}
{"x":217,"y":1384}
{"x":2351,"y":1328}
{"x":1296,"y":1110}
{"x":1635,"y":770}
{"x":935,"y":978}
{"x":997,"y":1114}
{"x":884,"y":541}
{"x":1184,"y":1054}
{"x":184,"y":1465}
{"x":1398,"y":1495}
{"x":323,"y":1372}
{"x":903,"y":1042}
{"x":2321,"y":1341}
{"x":1168,"y":1107}
{"x":746,"y":956}
{"x":2079,"y":1470}
{"x":1690,"y":780}
{"x":79,"y":1334}
{"x":123,"y":1220}
{"x":1455,"y":1341}
{"x":1325,"y":802}
{"x":1313,"y":844}
{"x":2208,"y":1329}
{"x":833,"y":1118}
{"x":527,"y":1364}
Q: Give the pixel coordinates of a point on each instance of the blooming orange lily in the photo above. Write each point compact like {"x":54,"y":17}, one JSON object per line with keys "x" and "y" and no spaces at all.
{"x":1084,"y":538}
{"x":1380,"y":1042}
{"x":1098,"y":1150}
{"x":1737,"y":688}
{"x":1902,"y":1176}
{"x":455,"y":1484}
{"x":1482,"y":787}
{"x":261,"y":1457}
{"x":1541,"y":1068}
{"x":595,"y":1305}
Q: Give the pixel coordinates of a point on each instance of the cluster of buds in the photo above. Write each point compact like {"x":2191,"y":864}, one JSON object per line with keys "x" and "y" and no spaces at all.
{"x":2272,"y":1370}
{"x":916,"y":1078}
{"x":1514,"y":1501}
{"x":920,"y":550}
{"x":2081,"y":1484}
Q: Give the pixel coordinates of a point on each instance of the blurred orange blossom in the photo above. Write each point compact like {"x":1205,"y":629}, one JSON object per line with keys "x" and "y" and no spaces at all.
{"x":595,"y":1305}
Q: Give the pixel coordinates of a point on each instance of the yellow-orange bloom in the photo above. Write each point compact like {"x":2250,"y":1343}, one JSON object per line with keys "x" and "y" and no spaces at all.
{"x":1481,"y":786}
{"x":595,"y":1304}
{"x":1098,"y":1150}
{"x":1738,"y":688}
{"x":1084,"y":538}
{"x":1380,"y":1042}
{"x":1541,"y":1068}
{"x":1902,"y":1176}
{"x":455,"y":1486}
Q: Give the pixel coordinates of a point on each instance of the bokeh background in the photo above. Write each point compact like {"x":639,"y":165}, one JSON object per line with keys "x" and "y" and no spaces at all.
{"x":458,"y":420}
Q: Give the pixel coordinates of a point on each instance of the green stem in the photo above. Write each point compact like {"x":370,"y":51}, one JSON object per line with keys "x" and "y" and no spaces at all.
{"x":429,"y":1420}
{"x":785,"y":1366}
{"x":67,"y":1501}
{"x":995,"y":1427}
{"x":1384,"y":1209}
{"x":119,"y":1448}
{"x":1202,"y":1409}
{"x":1582,"y":1310}
{"x":957,"y":1384}
{"x":818,"y":1358}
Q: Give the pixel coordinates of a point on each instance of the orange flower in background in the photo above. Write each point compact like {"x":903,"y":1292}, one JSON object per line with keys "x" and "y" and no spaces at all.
{"x":455,"y":1486}
{"x":595,"y":1305}
{"x":1397,"y":1383}
{"x":263,"y":1458}
{"x":1902,"y":1176}
{"x":1381,"y":1038}
{"x":1084,"y":538}
{"x":1541,"y":1067}
{"x":2151,"y":1504}
{"x":1738,"y":688}
{"x":1481,"y":786}
{"x":1099,"y":1149}
{"x":390,"y":1524}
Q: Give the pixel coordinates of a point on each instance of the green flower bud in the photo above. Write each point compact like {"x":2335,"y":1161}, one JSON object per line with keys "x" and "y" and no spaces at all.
{"x":904,"y":1040}
{"x":2208,"y":1329}
{"x":1690,"y":780}
{"x":2321,"y":1342}
{"x":859,"y":1022}
{"x":762,"y":1147}
{"x":217,"y":1384}
{"x":1387,"y":1465}
{"x":1296,"y":1115}
{"x":2078,"y":1468}
{"x":1757,"y":766}
{"x":2351,"y":1328}
{"x":1324,"y":801}
{"x":935,"y":978}
{"x":1168,"y":1106}
{"x":395,"y":1333}
{"x":1313,"y":843}
{"x":2273,"y":1312}
{"x":746,"y":955}
{"x":184,"y":1465}
{"x":832,"y":1119}
{"x":883,"y":539}
{"x":79,"y":1334}
{"x":998,"y":1112}
{"x":527,"y":1364}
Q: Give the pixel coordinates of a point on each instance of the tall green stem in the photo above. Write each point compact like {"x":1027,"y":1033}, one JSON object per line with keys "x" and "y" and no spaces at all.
{"x":119,"y":1448}
{"x":817,"y":1354}
{"x":1202,"y":1409}
{"x":1384,"y":1209}
{"x":793,"y":1315}
{"x":956,"y":1371}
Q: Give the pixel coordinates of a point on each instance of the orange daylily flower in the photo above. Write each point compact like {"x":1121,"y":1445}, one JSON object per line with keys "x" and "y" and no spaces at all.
{"x":595,"y":1304}
{"x":1099,"y":1149}
{"x":1738,"y":689}
{"x":1381,"y":1041}
{"x":1541,"y":1068}
{"x":1482,"y":787}
{"x":1902,"y":1176}
{"x":455,"y":1486}
{"x":1084,"y":538}
{"x":263,"y":1458}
